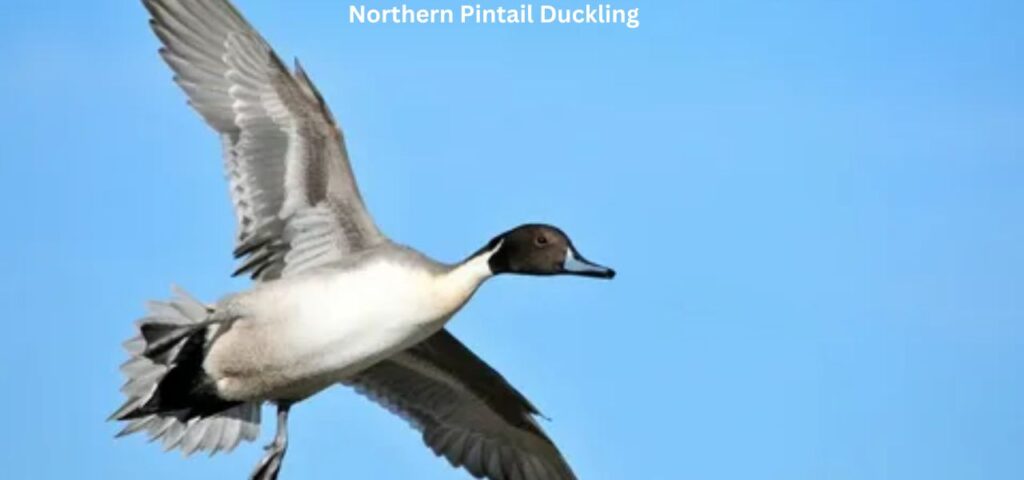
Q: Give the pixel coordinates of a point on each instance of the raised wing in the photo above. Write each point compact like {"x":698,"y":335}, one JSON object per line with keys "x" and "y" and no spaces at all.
{"x":295,"y":198}
{"x":466,"y":411}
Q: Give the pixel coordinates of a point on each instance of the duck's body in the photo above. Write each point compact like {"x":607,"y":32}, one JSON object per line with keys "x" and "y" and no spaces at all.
{"x":334,"y":300}
{"x":290,"y":338}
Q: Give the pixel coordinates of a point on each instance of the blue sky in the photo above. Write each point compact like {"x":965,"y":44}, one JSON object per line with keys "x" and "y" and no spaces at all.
{"x":814,"y":208}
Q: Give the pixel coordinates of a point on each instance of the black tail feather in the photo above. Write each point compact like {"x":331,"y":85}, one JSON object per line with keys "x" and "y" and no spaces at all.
{"x":185,"y":388}
{"x":164,"y":340}
{"x":169,"y":397}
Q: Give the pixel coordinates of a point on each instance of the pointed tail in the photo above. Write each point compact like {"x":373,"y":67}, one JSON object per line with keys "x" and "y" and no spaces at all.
{"x":163,"y":373}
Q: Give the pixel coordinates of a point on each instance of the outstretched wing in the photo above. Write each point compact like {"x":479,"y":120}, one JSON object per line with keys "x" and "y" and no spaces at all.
{"x":466,"y":411}
{"x":295,"y":198}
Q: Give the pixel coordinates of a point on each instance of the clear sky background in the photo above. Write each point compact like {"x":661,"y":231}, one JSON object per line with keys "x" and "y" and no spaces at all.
{"x":815,"y":209}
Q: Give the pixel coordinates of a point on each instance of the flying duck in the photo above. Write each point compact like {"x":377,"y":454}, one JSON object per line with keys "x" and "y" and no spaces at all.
{"x":334,"y":300}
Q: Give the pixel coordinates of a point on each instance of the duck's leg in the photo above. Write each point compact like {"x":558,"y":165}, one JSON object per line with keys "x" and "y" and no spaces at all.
{"x":270,"y":465}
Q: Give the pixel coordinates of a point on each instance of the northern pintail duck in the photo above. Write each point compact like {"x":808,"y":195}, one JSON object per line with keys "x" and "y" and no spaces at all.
{"x":335,"y":301}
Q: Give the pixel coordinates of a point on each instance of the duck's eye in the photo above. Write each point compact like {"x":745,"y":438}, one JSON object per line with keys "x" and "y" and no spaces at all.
{"x":541,"y":240}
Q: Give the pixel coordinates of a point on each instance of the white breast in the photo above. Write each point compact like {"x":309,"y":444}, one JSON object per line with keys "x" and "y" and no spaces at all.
{"x":370,"y":309}
{"x":305,"y":334}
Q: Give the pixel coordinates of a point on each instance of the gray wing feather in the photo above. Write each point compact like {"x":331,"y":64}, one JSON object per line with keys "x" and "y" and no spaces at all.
{"x":283,"y":151}
{"x":466,"y":411}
